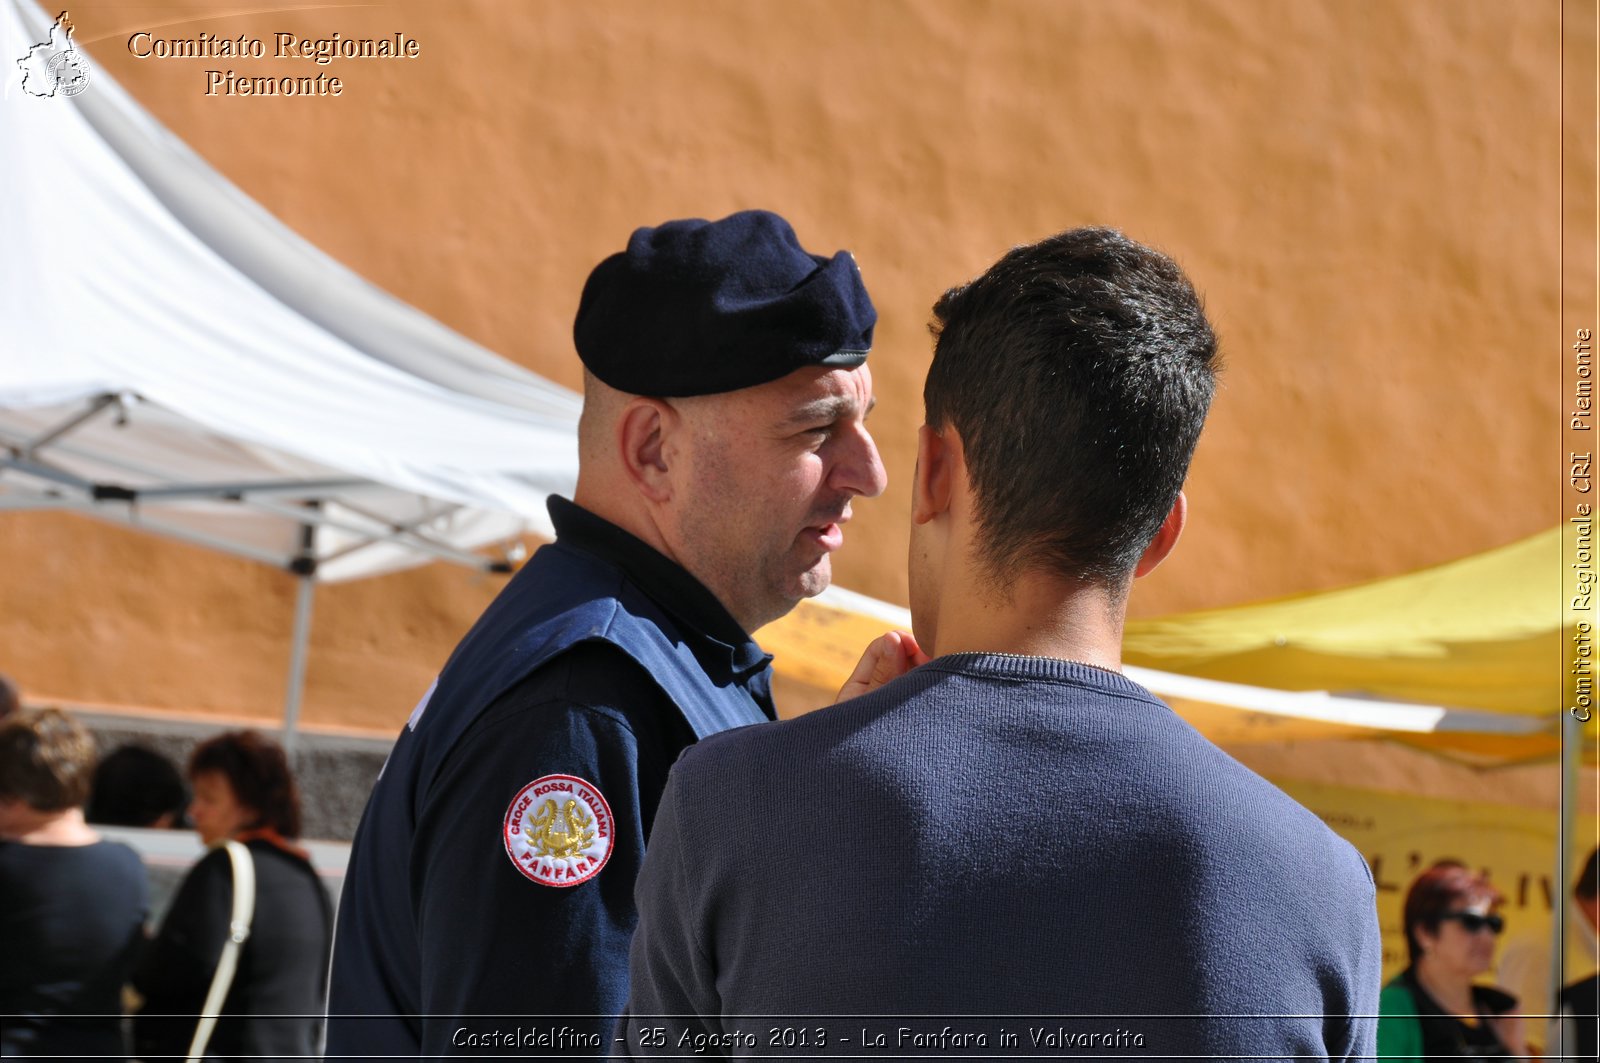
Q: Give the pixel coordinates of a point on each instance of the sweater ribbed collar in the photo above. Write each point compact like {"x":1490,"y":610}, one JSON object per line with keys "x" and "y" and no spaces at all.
{"x":1019,"y":666}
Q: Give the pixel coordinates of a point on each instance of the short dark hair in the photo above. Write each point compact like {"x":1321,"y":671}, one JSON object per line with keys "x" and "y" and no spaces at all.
{"x":1078,"y":371}
{"x":46,"y":760}
{"x":135,"y":787}
{"x":257,"y":769}
{"x":1447,"y":886}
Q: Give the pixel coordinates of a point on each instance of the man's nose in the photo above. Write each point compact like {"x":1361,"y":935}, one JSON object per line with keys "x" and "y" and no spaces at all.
{"x":860,"y":469}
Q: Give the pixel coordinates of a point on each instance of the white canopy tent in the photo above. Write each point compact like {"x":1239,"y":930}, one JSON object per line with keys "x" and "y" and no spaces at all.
{"x":175,"y":359}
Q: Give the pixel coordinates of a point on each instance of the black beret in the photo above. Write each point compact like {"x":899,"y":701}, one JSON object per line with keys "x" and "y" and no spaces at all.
{"x":701,"y":307}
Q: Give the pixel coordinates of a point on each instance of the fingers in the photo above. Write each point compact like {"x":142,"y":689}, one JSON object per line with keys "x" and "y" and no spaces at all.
{"x":870,"y":667}
{"x":888,"y":657}
{"x":913,"y":652}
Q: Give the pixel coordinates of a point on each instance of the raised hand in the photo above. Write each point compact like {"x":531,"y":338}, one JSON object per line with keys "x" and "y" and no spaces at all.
{"x":889,"y":656}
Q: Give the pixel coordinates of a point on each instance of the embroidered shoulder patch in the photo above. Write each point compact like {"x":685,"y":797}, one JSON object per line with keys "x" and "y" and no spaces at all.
{"x":558,"y":830}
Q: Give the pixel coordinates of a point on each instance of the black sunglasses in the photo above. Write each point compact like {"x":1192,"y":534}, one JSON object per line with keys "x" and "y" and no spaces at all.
{"x":1472,"y":922}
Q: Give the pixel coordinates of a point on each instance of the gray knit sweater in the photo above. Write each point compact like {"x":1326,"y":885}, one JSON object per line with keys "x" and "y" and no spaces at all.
{"x":998,"y":856}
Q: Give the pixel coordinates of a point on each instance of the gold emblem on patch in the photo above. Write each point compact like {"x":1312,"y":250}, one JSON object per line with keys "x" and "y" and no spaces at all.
{"x":558,"y":830}
{"x":563,"y":832}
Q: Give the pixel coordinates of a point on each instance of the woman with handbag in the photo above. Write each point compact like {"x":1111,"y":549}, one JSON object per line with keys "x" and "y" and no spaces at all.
{"x":239,"y":966}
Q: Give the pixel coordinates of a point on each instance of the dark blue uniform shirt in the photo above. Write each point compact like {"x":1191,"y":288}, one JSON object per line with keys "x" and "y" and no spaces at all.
{"x":470,"y":920}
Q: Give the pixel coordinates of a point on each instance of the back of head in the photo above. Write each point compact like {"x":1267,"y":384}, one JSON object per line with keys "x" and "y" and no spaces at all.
{"x":1078,"y":372}
{"x":258,"y":771}
{"x":136,"y":787}
{"x":46,"y":760}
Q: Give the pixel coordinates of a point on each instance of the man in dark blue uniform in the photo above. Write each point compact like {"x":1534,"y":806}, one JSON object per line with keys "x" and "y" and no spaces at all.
{"x":489,"y":901}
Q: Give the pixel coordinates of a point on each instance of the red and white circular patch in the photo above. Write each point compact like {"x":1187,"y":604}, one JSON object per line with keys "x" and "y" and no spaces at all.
{"x":559,"y":830}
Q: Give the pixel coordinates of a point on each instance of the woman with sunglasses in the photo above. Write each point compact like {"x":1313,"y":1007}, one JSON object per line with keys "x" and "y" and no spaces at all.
{"x":1432,"y":1009}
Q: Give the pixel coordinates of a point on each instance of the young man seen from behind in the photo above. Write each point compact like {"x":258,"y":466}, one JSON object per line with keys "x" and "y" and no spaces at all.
{"x":1015,"y":828}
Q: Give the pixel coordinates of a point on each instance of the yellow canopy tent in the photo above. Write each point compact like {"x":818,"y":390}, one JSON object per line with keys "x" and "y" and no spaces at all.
{"x":1482,"y":633}
{"x":1462,"y":658}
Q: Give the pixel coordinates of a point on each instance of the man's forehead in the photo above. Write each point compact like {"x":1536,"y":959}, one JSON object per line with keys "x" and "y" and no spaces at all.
{"x":814,"y":391}
{"x":813,"y":394}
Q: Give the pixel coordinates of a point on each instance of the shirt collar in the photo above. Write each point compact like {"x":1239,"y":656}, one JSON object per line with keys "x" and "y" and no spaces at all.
{"x":666,"y":582}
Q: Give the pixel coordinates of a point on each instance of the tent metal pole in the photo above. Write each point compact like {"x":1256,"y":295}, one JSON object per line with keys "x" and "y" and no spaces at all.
{"x":96,"y":404}
{"x":300,"y":644}
{"x":1571,"y":750}
{"x":305,"y":569}
{"x":391,"y":532}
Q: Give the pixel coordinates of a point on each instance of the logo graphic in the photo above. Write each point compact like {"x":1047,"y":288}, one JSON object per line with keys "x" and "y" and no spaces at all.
{"x":55,"y":66}
{"x":558,"y":830}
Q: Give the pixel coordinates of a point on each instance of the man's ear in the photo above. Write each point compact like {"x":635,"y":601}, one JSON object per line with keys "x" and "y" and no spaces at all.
{"x":934,"y":479}
{"x":1166,"y":538}
{"x":642,"y":431}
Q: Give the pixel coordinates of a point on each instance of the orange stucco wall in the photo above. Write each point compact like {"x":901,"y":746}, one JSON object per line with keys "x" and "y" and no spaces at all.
{"x":1366,"y":193}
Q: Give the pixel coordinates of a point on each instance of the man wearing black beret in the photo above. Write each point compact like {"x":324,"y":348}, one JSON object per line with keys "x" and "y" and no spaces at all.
{"x":489,"y":899}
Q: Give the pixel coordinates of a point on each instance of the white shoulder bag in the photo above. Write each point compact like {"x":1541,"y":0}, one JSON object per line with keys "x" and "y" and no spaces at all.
{"x":244,"y":910}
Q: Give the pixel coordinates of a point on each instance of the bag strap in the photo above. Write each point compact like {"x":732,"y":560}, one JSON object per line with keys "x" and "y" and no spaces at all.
{"x":244,"y":910}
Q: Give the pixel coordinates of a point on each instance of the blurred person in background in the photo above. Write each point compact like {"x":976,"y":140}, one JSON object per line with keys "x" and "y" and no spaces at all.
{"x":1524,"y":967}
{"x":137,"y":787}
{"x":72,"y":906}
{"x":243,"y":791}
{"x":1573,"y":1034}
{"x":1433,"y":1009}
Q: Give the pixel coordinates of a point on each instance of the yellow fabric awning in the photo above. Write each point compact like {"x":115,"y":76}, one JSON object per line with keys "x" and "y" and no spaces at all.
{"x":1479,"y":639}
{"x":1483,"y":632}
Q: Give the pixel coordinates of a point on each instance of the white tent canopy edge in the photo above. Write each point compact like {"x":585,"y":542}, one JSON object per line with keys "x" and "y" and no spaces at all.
{"x":176,"y":360}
